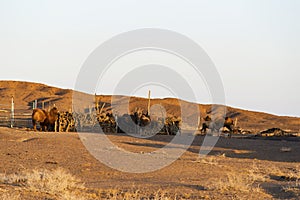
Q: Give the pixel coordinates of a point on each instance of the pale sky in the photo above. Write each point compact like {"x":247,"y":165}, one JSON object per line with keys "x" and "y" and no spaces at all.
{"x":254,"y":44}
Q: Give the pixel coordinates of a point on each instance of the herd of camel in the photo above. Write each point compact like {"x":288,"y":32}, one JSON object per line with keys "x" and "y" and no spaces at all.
{"x":47,"y":121}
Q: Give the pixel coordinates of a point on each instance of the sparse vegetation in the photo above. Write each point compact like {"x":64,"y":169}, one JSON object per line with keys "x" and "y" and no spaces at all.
{"x":228,"y":172}
{"x":59,"y":184}
{"x":241,"y":185}
{"x":9,"y":196}
{"x":291,"y":176}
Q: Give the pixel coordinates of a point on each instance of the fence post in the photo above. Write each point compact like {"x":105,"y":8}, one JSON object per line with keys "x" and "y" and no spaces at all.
{"x":90,"y":110}
{"x":148,"y":107}
{"x":12,"y":114}
{"x":235,"y":122}
{"x":55,"y":126}
{"x":116,"y":119}
{"x":43,"y":105}
{"x":34,"y":104}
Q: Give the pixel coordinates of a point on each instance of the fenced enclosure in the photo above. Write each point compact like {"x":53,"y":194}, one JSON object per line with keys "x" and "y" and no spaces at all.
{"x":12,"y":115}
{"x":20,"y":116}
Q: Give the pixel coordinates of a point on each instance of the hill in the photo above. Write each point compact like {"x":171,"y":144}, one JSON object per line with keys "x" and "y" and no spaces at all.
{"x":25,"y":93}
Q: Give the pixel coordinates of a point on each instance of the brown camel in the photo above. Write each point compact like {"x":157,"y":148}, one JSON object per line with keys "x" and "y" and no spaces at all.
{"x":137,"y":118}
{"x":46,"y":119}
{"x":217,"y":124}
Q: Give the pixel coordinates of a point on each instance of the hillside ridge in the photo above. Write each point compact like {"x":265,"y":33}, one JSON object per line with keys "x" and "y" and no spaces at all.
{"x":25,"y":93}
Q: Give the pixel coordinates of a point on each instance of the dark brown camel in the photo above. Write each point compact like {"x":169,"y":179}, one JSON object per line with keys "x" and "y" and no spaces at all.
{"x":46,"y":119}
{"x":137,"y":118}
{"x":217,"y":124}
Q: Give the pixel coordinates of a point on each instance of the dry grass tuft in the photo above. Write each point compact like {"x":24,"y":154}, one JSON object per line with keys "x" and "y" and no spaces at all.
{"x":256,"y":175}
{"x":52,"y":182}
{"x":209,"y":160}
{"x":60,"y":184}
{"x":293,"y":178}
{"x":57,"y":183}
{"x":286,"y":173}
{"x":116,"y":194}
{"x":241,"y":185}
{"x":9,"y":196}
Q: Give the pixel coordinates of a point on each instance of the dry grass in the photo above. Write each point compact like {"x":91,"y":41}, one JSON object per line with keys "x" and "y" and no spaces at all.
{"x":5,"y":195}
{"x":292,"y":175}
{"x":56,"y":183}
{"x":286,"y":173}
{"x":257,"y":174}
{"x":211,"y":160}
{"x":52,"y":182}
{"x":241,"y":184}
{"x":59,"y":184}
{"x":293,"y":188}
{"x":115,"y":194}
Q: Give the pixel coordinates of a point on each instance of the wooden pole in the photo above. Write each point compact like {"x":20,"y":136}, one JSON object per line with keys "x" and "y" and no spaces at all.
{"x":12,"y":116}
{"x":90,"y":110}
{"x":96,"y":102}
{"x":43,"y":105}
{"x":35,"y":103}
{"x":148,"y":109}
{"x":235,"y":122}
{"x":116,"y":120}
{"x":55,"y":126}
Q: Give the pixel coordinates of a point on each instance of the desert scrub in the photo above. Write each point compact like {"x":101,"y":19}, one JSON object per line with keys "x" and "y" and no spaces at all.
{"x":57,"y":183}
{"x":292,"y":175}
{"x":52,"y":182}
{"x":241,"y":185}
{"x":9,"y":196}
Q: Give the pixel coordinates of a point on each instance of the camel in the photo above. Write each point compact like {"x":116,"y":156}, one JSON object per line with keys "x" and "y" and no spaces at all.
{"x":172,"y":125}
{"x":137,"y":117}
{"x":45,"y":118}
{"x":217,"y":124}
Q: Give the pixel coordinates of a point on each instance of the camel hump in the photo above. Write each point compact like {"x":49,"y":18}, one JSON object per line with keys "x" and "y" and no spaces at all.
{"x":45,"y":112}
{"x":39,"y":115}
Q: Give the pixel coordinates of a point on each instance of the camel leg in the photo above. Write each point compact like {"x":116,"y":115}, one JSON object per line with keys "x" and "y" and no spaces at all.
{"x":34,"y":125}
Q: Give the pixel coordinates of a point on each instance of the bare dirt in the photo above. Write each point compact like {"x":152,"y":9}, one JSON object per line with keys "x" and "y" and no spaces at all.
{"x":187,"y":177}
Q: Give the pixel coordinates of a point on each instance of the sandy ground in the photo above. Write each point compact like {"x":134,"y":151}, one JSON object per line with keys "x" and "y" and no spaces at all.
{"x":188,"y":176}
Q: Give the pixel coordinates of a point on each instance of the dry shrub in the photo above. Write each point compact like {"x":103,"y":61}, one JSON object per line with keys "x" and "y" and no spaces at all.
{"x":292,"y":175}
{"x":117,"y":194}
{"x":13,"y":179}
{"x":256,"y":175}
{"x":9,"y":196}
{"x":58,"y":183}
{"x":52,"y":182}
